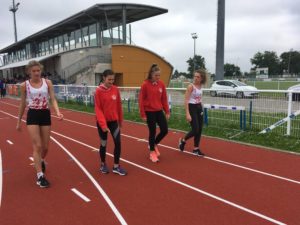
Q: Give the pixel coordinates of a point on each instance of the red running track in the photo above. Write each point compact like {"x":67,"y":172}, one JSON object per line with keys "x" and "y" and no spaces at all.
{"x":233,"y":184}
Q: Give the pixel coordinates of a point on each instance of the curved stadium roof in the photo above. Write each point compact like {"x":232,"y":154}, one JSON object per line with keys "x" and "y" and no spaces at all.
{"x":96,"y":13}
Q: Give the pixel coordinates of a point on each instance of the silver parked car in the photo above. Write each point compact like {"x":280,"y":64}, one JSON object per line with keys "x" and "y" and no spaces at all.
{"x":233,"y":88}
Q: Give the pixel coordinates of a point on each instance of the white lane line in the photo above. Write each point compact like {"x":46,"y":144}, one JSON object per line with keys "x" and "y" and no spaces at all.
{"x":98,"y":187}
{"x":31,"y":158}
{"x":80,"y":195}
{"x":185,"y":152}
{"x":1,"y":179}
{"x":181,"y":183}
{"x":9,"y":142}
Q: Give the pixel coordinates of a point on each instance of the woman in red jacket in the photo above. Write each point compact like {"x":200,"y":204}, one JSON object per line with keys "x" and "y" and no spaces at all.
{"x":109,"y":115}
{"x":153,"y":101}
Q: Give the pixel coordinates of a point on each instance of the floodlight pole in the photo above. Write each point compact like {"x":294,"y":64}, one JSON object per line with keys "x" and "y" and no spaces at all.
{"x":14,"y":9}
{"x":194,"y":36}
{"x":220,"y":40}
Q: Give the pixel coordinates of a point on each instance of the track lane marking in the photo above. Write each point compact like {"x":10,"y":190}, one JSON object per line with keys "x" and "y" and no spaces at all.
{"x":80,"y":195}
{"x":206,"y":157}
{"x":181,"y":183}
{"x":92,"y":179}
{"x":98,"y":187}
{"x":158,"y":174}
{"x":9,"y":142}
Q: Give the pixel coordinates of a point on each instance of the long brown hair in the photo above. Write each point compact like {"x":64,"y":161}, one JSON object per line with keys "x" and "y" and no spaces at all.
{"x":152,"y":69}
{"x":203,"y":75}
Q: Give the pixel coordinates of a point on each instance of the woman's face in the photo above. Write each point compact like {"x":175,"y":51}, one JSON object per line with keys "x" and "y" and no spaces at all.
{"x":197,"y":78}
{"x":109,"y":80}
{"x":155,"y":76}
{"x":35,"y":72}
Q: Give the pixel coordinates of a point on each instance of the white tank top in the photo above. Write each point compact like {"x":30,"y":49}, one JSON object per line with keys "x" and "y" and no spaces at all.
{"x":37,"y":98}
{"x":196,"y":96}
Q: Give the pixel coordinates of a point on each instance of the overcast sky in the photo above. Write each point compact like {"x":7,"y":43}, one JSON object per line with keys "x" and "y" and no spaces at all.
{"x":250,"y":26}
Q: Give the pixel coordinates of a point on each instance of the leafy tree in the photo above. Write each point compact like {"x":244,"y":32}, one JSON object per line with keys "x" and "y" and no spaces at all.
{"x":199,"y":64}
{"x":176,"y":74}
{"x":267,"y":59}
{"x":231,"y":70}
{"x":290,"y":62}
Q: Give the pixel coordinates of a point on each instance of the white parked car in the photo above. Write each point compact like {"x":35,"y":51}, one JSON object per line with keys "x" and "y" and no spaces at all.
{"x":233,"y":88}
{"x":295,"y":96}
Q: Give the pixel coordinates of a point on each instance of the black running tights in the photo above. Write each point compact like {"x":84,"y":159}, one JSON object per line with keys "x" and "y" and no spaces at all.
{"x":153,"y":118}
{"x":196,"y":113}
{"x":114,"y":128}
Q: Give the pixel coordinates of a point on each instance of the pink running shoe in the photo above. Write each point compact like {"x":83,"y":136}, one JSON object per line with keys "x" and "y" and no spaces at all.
{"x":153,"y":156}
{"x":156,"y":151}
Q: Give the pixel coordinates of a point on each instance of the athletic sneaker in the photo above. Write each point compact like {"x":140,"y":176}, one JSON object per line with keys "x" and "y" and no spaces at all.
{"x":181,"y":144}
{"x":119,"y":170}
{"x":198,"y":152}
{"x":43,"y":166}
{"x":42,"y":182}
{"x":153,"y":156}
{"x":156,"y":151}
{"x":104,"y":168}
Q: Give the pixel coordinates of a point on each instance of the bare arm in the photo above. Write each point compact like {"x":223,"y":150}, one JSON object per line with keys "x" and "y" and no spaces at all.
{"x":53,"y":100}
{"x":22,"y":105}
{"x":186,"y":102}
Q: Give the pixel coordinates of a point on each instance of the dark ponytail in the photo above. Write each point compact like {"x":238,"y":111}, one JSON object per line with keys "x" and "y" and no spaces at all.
{"x":106,"y":73}
{"x":152,"y":69}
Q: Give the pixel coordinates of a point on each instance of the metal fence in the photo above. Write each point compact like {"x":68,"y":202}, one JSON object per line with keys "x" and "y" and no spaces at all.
{"x":256,"y":113}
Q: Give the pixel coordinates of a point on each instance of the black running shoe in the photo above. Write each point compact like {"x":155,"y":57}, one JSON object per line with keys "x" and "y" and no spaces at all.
{"x":119,"y":170}
{"x":181,"y":144}
{"x":43,"y":166}
{"x":42,"y":182}
{"x":104,"y":168}
{"x":198,"y":152}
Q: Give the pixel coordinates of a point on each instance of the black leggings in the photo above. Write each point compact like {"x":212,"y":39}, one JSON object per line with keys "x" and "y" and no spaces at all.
{"x":196,"y":113}
{"x":153,"y":118}
{"x":114,"y":128}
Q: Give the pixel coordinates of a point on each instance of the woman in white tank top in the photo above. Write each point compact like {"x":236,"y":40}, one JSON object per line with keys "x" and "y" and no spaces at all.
{"x":194,"y":111}
{"x":37,"y":91}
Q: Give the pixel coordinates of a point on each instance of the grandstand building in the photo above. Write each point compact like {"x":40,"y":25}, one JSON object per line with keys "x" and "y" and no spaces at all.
{"x":78,"y":49}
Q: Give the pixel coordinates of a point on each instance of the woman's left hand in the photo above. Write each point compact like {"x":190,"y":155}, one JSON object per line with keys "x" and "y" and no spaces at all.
{"x":168,"y":116}
{"x":60,"y":116}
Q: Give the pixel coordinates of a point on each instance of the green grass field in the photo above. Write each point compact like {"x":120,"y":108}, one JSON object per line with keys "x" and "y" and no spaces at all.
{"x":221,"y":127}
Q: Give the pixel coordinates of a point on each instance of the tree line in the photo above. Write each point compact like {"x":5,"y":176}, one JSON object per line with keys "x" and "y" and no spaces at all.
{"x":287,"y":63}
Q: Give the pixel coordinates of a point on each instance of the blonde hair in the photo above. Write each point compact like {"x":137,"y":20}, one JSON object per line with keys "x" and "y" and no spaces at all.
{"x":203,"y":75}
{"x":33,"y":63}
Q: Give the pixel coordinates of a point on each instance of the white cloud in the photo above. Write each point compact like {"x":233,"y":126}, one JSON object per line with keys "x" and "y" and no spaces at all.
{"x":251,"y":26}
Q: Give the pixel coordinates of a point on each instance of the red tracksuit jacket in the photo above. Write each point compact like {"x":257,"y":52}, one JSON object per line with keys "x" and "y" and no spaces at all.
{"x":108,"y":106}
{"x":153,"y":97}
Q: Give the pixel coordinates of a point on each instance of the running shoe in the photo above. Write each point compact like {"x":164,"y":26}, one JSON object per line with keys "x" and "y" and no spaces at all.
{"x":119,"y":170}
{"x":104,"y":169}
{"x":198,"y":152}
{"x":156,"y":151}
{"x":153,"y":156}
{"x":181,"y":144}
{"x":42,"y":182}
{"x":43,"y":166}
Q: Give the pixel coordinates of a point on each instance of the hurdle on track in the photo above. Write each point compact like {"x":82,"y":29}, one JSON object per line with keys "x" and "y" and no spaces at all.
{"x":280,"y":122}
{"x":242,"y":110}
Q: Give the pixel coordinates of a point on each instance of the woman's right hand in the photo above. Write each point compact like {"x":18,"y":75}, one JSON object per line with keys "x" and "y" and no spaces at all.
{"x":188,"y":118}
{"x":144,"y":119}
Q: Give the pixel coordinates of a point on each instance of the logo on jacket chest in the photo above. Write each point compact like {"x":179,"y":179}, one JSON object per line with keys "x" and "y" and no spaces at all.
{"x":114,"y":97}
{"x":160,"y":90}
